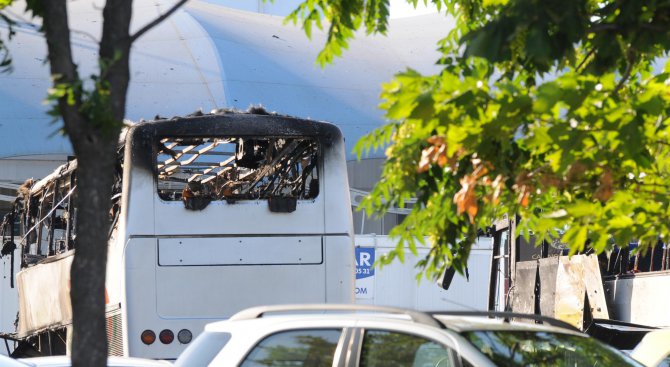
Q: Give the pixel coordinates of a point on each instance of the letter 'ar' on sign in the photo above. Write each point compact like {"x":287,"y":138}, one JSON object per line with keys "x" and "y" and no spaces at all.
{"x":365,"y":259}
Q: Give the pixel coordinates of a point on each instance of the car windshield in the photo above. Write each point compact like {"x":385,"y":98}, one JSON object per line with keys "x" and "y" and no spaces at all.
{"x":535,"y":348}
{"x":203,"y":350}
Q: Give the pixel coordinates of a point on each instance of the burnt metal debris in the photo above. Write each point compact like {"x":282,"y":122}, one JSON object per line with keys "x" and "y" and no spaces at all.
{"x":201,"y":170}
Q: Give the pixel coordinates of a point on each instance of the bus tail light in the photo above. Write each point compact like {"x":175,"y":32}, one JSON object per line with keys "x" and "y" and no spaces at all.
{"x":148,"y":337}
{"x":184,"y":336}
{"x":166,"y":336}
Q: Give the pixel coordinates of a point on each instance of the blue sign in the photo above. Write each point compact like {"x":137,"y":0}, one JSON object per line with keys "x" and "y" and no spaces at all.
{"x":365,"y":259}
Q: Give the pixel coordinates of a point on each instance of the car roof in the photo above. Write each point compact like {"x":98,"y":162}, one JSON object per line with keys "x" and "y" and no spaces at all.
{"x":10,"y":362}
{"x":64,"y":361}
{"x":473,"y":323}
{"x":348,"y":315}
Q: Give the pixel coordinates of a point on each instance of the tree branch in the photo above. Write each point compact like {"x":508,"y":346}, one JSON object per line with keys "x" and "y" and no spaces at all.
{"x":597,"y":28}
{"x":57,"y":34}
{"x":654,"y":28}
{"x":652,"y":192}
{"x":157,"y":21}
{"x":625,"y":76}
{"x":586,"y":57}
{"x":115,"y":54}
{"x":651,"y":184}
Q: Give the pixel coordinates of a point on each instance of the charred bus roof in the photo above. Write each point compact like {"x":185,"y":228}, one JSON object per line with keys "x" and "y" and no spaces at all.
{"x":256,"y":122}
{"x":141,"y":138}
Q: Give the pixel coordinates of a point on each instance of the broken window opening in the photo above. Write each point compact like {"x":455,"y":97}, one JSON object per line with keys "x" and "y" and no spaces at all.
{"x":200,"y":170}
{"x":47,"y":220}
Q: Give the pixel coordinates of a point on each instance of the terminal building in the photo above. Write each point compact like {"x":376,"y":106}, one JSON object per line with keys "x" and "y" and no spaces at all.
{"x":209,"y":55}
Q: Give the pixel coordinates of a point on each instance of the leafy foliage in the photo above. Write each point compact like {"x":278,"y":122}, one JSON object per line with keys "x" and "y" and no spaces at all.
{"x":6,"y":23}
{"x":92,"y":103}
{"x":555,"y":110}
{"x":90,"y":97}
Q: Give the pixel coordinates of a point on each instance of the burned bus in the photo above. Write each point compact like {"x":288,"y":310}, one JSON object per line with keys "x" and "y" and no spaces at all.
{"x":616,"y":296}
{"x":212,"y":213}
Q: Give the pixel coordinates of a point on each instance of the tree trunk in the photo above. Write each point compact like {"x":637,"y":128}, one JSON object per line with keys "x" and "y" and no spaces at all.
{"x":95,"y":169}
{"x":94,"y":140}
{"x":94,"y":144}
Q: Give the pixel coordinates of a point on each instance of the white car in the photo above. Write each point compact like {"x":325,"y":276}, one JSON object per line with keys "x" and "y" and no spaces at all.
{"x":358,"y":335}
{"x":10,"y":362}
{"x":64,"y":361}
{"x":654,"y":349}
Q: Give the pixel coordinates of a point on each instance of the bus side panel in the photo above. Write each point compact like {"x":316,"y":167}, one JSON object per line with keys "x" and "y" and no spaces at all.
{"x":340,"y":269}
{"x":44,"y":296}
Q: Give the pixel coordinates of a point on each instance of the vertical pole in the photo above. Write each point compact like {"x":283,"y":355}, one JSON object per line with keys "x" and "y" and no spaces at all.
{"x":11,"y":258}
{"x":362,"y":221}
{"x":514,"y":243}
{"x":494,"y":270}
{"x":70,"y":215}
{"x":38,"y":240}
{"x":51,"y":250}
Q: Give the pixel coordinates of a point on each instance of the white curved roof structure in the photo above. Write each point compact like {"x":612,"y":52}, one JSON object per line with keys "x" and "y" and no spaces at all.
{"x":208,"y":56}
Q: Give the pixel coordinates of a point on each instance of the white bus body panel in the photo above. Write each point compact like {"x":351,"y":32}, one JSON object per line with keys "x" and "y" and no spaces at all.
{"x":338,"y":217}
{"x":295,"y":250}
{"x":238,"y":218}
{"x":44,"y":292}
{"x":188,"y":297}
{"x":46,"y":285}
{"x":339,"y":266}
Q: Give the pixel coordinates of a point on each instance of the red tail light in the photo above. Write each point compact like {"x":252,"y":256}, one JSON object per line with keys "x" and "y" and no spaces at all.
{"x":148,"y":337}
{"x":166,"y":336}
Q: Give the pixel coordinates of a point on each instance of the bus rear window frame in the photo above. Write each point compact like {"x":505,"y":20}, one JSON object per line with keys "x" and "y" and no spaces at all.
{"x":155,"y":152}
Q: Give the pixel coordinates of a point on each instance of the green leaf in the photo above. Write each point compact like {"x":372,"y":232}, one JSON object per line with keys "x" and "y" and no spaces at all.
{"x":548,"y":95}
{"x":583,"y":209}
{"x":538,"y":45}
{"x":424,"y":108}
{"x":620,"y":221}
{"x":561,"y":213}
{"x":576,"y":238}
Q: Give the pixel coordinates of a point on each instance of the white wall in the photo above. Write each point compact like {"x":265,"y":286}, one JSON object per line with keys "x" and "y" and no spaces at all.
{"x":396,"y":284}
